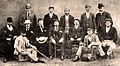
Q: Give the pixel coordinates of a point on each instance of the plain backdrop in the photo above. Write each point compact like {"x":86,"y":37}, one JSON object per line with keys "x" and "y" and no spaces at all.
{"x":14,"y":8}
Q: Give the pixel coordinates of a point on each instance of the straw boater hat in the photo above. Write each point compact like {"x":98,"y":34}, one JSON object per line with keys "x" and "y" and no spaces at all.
{"x":27,"y":22}
{"x":42,"y":39}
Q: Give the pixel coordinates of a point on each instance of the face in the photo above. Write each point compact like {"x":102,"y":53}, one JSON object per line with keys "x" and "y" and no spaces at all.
{"x":40,"y":22}
{"x":51,"y":10}
{"x":76,"y":22}
{"x":67,"y":11}
{"x":108,"y":23}
{"x":101,"y":9}
{"x":87,"y":9}
{"x":56,"y":23}
{"x":9,"y":23}
{"x":28,"y":25}
{"x":29,"y":11}
{"x":90,"y":32}
{"x":28,"y":6}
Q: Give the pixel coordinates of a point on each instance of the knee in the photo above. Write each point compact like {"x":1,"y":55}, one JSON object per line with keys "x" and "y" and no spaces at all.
{"x":113,"y":46}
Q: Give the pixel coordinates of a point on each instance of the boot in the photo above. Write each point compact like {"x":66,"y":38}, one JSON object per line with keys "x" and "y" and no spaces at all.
{"x":76,"y":59}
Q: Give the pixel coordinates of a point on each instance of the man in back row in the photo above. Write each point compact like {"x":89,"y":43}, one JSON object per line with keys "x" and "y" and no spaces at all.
{"x":101,"y":16}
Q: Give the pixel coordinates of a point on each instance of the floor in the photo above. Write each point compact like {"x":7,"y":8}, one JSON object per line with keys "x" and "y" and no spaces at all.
{"x":68,"y":62}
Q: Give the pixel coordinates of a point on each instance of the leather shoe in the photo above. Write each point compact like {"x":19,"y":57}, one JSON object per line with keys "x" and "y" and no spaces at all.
{"x":62,"y":57}
{"x":76,"y":59}
{"x":5,"y":60}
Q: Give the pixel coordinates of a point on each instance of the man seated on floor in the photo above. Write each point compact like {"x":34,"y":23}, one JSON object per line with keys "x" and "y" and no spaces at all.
{"x":108,"y":37}
{"x":91,"y":41}
{"x":23,"y":47}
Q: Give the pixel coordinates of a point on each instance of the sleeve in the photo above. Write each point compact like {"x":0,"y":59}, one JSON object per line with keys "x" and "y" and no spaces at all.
{"x":50,"y":33}
{"x":3,"y":36}
{"x":21,"y":20}
{"x":93,"y":19}
{"x":86,"y":41}
{"x":81,"y":35}
{"x":45,"y":22}
{"x":16,"y":43}
{"x":71,"y":33}
{"x":97,"y":38}
{"x":115,"y":35}
{"x":81,"y":21}
{"x":96,"y":21}
{"x":34,"y":20}
{"x":17,"y":46}
{"x":61,"y":22}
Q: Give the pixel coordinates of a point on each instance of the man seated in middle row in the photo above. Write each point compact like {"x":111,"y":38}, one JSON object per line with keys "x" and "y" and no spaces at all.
{"x":56,"y":36}
{"x":91,"y":41}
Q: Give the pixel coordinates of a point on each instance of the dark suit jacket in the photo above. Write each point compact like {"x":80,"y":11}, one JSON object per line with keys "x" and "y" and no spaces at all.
{"x":71,"y":21}
{"x":56,"y":34}
{"x":5,"y":33}
{"x":22,"y":19}
{"x":38,"y":32}
{"x":111,"y":35}
{"x":30,"y":33}
{"x":88,"y":23}
{"x":49,"y":22}
{"x":101,"y":18}
{"x":76,"y":33}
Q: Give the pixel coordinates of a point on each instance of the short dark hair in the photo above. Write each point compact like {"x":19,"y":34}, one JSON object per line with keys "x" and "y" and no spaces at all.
{"x":76,"y":20}
{"x":51,"y":8}
{"x":86,"y":6}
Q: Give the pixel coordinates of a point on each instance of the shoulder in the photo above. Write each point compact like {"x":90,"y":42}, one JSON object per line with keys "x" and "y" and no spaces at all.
{"x":83,"y":14}
{"x":107,"y":13}
{"x":54,"y":14}
{"x":62,"y":17}
{"x":113,"y":28}
{"x":4,"y":28}
{"x":71,"y":16}
{"x":46,"y":15}
{"x":92,"y":14}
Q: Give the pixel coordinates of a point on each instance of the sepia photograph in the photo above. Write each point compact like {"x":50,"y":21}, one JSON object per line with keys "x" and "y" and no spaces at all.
{"x":59,"y":33}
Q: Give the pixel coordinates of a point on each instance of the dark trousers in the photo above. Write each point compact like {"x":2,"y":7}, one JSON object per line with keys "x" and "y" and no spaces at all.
{"x":68,"y":46}
{"x":52,"y":48}
{"x":9,"y":49}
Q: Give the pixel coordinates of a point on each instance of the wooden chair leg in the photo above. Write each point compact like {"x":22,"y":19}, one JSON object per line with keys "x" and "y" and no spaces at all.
{"x":55,"y":49}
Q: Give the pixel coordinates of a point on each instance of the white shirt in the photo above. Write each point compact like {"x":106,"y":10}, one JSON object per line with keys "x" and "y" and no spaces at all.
{"x":66,"y":24}
{"x":50,"y":14}
{"x":66,"y":20}
{"x":10,"y":27}
{"x":87,"y":15}
{"x":107,"y":29}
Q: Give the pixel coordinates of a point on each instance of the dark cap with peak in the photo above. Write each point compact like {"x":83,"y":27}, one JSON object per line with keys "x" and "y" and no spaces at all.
{"x":100,"y":5}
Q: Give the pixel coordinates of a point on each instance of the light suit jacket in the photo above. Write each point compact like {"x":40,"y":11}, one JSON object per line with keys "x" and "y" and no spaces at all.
{"x":21,"y":44}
